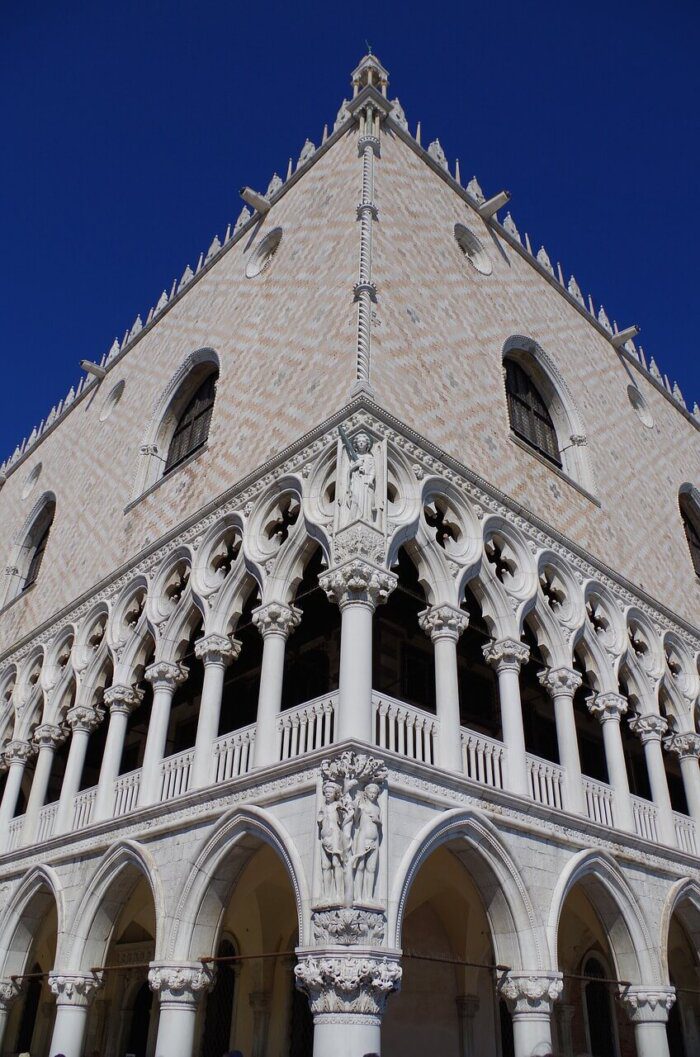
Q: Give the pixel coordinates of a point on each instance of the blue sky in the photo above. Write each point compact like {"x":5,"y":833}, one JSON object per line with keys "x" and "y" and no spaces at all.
{"x":128,"y":129}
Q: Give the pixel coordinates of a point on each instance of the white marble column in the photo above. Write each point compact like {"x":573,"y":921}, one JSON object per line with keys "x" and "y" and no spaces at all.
{"x":216,"y":653}
{"x":686,"y":745}
{"x":275,"y":621}
{"x":507,"y":656}
{"x":467,"y":1008}
{"x":16,"y":754}
{"x":259,"y":1002}
{"x":444,"y":624}
{"x":165,"y":677}
{"x":74,"y":992}
{"x":609,"y":709}
{"x":121,"y":701}
{"x":82,"y":720}
{"x":180,"y":989}
{"x":358,"y":587}
{"x":347,"y":994}
{"x":648,"y":1009}
{"x":562,"y":684}
{"x":9,"y":992}
{"x":530,"y":998}
{"x":47,"y":738}
{"x":651,"y":729}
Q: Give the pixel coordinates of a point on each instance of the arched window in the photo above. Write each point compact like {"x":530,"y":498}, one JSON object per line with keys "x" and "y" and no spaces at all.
{"x":24,"y":571}
{"x":192,"y":428}
{"x":529,"y":416}
{"x":689,"y":503}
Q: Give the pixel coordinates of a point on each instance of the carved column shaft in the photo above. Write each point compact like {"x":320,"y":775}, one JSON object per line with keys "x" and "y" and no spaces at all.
{"x":445,"y":624}
{"x":609,"y":708}
{"x":217,"y":652}
{"x":46,"y":738}
{"x":686,"y":745}
{"x":562,"y":684}
{"x":74,"y":993}
{"x":530,"y":998}
{"x":9,"y":993}
{"x":16,"y":755}
{"x":165,"y":677}
{"x":648,"y":1009}
{"x":180,"y":989}
{"x":651,"y":728}
{"x":507,"y":656}
{"x":82,"y":721}
{"x":121,"y":701}
{"x":275,"y":622}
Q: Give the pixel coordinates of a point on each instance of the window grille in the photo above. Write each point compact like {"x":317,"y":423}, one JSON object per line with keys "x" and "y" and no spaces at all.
{"x":691,"y":524}
{"x":192,"y":428}
{"x":529,"y":417}
{"x":39,"y":547}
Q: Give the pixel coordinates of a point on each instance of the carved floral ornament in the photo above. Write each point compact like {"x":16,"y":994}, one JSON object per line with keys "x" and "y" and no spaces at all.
{"x":530,"y":992}
{"x":347,"y":984}
{"x":74,"y":989}
{"x":181,"y":983}
{"x":648,"y":1005}
{"x":413,"y":464}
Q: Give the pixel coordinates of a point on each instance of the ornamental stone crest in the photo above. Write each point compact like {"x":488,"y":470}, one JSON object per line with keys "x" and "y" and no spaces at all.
{"x":350,"y":830}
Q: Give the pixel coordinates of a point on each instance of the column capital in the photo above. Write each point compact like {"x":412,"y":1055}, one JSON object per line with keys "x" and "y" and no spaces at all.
{"x":534,"y":992}
{"x":178,"y":984}
{"x":349,"y":984}
{"x":217,"y":649}
{"x":651,"y":727}
{"x":276,"y":618}
{"x":506,"y":654}
{"x":19,"y":751}
{"x":9,"y":992}
{"x":84,"y":718}
{"x":49,"y":735}
{"x":443,"y":621}
{"x":166,"y":674}
{"x":358,"y":581}
{"x":648,"y":1005}
{"x":609,"y":706}
{"x":74,"y":989}
{"x":683,"y":743}
{"x":560,"y":682}
{"x":122,"y":698}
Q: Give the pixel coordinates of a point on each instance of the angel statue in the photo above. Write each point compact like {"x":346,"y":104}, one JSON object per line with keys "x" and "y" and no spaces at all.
{"x":360,"y":493}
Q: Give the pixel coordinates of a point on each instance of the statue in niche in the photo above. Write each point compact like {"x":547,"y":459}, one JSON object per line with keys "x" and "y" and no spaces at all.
{"x":350,"y":828}
{"x":361,"y":475}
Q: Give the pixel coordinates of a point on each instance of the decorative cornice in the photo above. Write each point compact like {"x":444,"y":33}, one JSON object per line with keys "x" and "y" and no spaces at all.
{"x":560,"y":682}
{"x":526,"y":992}
{"x":610,"y":706}
{"x":506,"y":654}
{"x":276,"y":618}
{"x":217,"y":649}
{"x":443,"y":621}
{"x":358,"y":582}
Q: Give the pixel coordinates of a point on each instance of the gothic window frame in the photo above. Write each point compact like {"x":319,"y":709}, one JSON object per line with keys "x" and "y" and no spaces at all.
{"x":30,"y":548}
{"x":171,"y":408}
{"x":572,"y":459}
{"x":689,"y":508}
{"x":528,"y":413}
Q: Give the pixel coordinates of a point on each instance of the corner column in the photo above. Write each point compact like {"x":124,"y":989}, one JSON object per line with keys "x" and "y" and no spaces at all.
{"x":16,"y":754}
{"x":121,"y":701}
{"x":275,"y":621}
{"x":82,"y":720}
{"x":686,"y":746}
{"x":444,"y":624}
{"x":562,"y":684}
{"x":651,"y":728}
{"x":347,"y":993}
{"x":216,"y":652}
{"x":47,"y":738}
{"x":9,"y":992}
{"x":180,"y":989}
{"x":507,"y":656}
{"x":530,"y":998}
{"x":357,"y":586}
{"x":165,"y":677}
{"x":648,"y":1009}
{"x":74,"y":993}
{"x":609,"y":709}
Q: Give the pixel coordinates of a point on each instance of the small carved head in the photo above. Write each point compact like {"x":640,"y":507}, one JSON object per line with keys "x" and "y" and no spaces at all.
{"x":362,"y":443}
{"x":331,"y":791}
{"x":372,"y":791}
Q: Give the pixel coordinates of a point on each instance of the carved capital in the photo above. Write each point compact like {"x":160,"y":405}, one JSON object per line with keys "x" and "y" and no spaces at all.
{"x":358,"y":581}
{"x":19,"y":751}
{"x":651,"y":727}
{"x":606,"y":707}
{"x":49,"y":736}
{"x":359,"y":540}
{"x":348,"y":926}
{"x":217,"y":649}
{"x":648,"y":1005}
{"x":560,"y":682}
{"x":123,"y":699}
{"x":276,"y":618}
{"x":348,"y":984}
{"x":9,"y":991}
{"x":530,"y":992}
{"x":467,"y":1006}
{"x":84,"y":718}
{"x":166,"y":675}
{"x":506,"y":654}
{"x":684,"y":743}
{"x":180,"y":984}
{"x":443,"y":621}
{"x":74,"y":989}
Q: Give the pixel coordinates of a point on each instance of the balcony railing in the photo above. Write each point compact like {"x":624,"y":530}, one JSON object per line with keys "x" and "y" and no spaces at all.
{"x":404,"y":729}
{"x":83,"y":805}
{"x":685,"y":833}
{"x":308,"y":727}
{"x":546,"y":780}
{"x":47,"y":818}
{"x":645,"y":819}
{"x":175,"y":774}
{"x":482,"y":758}
{"x":233,"y":753}
{"x":126,"y":793}
{"x":599,"y":802}
{"x":15,"y":832}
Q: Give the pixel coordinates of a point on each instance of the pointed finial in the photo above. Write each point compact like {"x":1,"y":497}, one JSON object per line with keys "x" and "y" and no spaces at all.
{"x":509,"y":226}
{"x":289,"y":170}
{"x":543,"y":258}
{"x":324,"y":137}
{"x":458,"y":177}
{"x":418,"y":133}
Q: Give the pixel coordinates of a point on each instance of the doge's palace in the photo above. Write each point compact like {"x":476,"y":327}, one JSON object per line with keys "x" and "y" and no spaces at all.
{"x":349,"y":649}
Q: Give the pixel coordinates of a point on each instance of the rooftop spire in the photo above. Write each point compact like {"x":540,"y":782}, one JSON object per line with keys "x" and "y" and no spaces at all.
{"x":370,"y":71}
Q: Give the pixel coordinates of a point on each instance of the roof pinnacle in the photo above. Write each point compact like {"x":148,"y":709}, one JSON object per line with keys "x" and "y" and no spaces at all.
{"x":370,"y":71}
